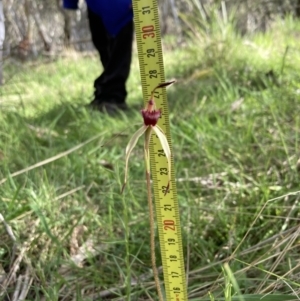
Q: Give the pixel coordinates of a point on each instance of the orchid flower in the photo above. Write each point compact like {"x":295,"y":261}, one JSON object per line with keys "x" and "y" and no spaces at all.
{"x":150,"y":115}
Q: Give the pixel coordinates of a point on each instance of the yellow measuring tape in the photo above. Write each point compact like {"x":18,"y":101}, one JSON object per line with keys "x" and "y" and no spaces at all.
{"x":150,"y":55}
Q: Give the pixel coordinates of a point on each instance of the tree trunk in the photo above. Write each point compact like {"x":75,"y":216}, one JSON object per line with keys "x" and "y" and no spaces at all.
{"x":67,"y":24}
{"x":41,"y":28}
{"x":26,"y":44}
{"x":2,"y":35}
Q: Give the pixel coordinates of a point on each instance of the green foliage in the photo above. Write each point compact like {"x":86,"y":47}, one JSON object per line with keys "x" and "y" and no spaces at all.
{"x":235,"y":132}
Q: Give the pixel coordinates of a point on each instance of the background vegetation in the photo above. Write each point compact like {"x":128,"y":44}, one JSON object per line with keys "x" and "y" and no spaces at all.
{"x":68,"y":234}
{"x":42,"y":26}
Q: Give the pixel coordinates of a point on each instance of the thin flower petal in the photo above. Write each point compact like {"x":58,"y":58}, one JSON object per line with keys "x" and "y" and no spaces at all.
{"x":165,"y":145}
{"x":163,"y":140}
{"x":130,"y":146}
{"x":161,"y":85}
{"x":146,"y":148}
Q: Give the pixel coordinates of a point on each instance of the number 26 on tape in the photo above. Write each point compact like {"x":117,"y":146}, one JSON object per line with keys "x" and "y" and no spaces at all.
{"x":169,"y":224}
{"x":148,"y":31}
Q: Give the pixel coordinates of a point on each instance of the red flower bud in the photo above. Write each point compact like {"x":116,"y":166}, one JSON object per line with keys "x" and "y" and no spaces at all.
{"x":150,"y":114}
{"x":151,"y":117}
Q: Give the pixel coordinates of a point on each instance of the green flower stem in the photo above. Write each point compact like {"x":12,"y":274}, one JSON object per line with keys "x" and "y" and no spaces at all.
{"x":127,"y":257}
{"x":151,"y":213}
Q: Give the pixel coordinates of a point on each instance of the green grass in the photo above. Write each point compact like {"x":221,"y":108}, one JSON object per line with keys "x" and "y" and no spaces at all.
{"x":235,"y":128}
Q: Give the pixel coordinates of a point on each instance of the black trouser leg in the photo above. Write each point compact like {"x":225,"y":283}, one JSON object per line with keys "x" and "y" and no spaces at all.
{"x":115,"y":54}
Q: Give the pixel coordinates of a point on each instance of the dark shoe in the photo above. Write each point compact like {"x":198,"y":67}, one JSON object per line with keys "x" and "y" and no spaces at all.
{"x":108,"y":107}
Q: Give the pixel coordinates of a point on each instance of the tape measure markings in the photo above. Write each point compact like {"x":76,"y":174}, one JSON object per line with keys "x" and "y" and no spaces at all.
{"x":166,"y":205}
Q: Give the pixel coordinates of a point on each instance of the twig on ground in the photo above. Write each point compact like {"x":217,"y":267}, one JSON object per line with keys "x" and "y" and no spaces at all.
{"x":12,"y":275}
{"x":262,"y":288}
{"x":23,"y":284}
{"x":8,"y":228}
{"x":69,"y":192}
{"x":51,"y":159}
{"x":12,"y":237}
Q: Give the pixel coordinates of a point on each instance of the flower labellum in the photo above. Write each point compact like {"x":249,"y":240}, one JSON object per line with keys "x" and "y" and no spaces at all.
{"x":150,"y":115}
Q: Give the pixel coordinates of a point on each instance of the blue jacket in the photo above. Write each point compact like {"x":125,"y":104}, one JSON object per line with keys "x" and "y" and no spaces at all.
{"x":114,"y":13}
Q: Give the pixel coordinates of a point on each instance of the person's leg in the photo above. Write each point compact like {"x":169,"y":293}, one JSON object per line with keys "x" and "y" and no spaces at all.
{"x":115,"y":54}
{"x":101,"y":41}
{"x":118,"y":67}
